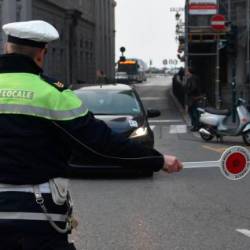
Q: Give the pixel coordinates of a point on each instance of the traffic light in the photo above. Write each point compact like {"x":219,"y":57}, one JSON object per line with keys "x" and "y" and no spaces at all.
{"x":122,"y":58}
{"x":231,"y":40}
{"x":122,"y":49}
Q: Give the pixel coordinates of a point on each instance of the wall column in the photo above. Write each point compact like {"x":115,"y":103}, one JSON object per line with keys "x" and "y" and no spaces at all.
{"x":8,"y":9}
{"x":73,"y":18}
{"x":26,"y":10}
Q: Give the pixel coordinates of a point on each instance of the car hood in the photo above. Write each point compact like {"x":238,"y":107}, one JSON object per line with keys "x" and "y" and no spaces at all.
{"x":122,"y":124}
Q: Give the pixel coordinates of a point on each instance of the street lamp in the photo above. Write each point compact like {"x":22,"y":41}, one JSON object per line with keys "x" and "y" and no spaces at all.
{"x":177,"y":16}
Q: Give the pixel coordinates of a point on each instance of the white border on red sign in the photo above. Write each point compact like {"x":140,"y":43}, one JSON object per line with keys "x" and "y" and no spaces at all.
{"x":203,"y":7}
{"x":202,"y":1}
{"x":224,"y":157}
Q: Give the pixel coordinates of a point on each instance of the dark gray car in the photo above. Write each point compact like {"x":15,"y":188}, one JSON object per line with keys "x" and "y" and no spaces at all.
{"x":120,"y":107}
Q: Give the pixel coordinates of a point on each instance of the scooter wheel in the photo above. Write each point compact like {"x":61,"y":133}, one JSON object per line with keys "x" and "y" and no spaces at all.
{"x":246,"y":137}
{"x":206,"y":137}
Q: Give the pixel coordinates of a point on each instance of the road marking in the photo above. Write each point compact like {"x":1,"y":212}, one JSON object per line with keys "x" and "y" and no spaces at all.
{"x":218,"y":150}
{"x":246,"y":232}
{"x":157,"y":85}
{"x":165,"y":121}
{"x":149,"y":83}
{"x":152,"y":127}
{"x":148,"y":98}
{"x":178,"y":129}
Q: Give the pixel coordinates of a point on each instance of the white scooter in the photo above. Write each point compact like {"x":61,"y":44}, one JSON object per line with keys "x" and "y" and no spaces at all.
{"x":214,"y":122}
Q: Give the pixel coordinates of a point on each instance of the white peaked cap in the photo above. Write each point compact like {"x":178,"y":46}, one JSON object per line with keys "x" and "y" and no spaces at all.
{"x":35,"y":30}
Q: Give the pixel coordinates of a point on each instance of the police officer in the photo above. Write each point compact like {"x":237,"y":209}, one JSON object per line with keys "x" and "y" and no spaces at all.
{"x":40,"y":124}
{"x":194,"y":96}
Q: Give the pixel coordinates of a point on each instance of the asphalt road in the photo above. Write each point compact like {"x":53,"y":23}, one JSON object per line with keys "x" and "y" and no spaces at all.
{"x":195,"y":209}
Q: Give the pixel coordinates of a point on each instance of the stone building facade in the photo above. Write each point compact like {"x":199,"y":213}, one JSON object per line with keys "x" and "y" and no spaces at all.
{"x":105,"y":35}
{"x":87,"y":35}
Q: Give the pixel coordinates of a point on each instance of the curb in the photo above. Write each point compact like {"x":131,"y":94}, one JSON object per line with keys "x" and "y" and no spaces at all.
{"x":183,"y":113}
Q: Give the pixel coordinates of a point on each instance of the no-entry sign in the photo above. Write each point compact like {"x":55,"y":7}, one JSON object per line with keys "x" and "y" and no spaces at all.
{"x":218,"y":22}
{"x":234,"y":163}
{"x":203,"y":7}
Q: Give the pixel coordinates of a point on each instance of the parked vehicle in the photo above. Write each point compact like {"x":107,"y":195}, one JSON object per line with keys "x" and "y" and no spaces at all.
{"x":218,"y":123}
{"x":121,"y":77}
{"x":120,"y":107}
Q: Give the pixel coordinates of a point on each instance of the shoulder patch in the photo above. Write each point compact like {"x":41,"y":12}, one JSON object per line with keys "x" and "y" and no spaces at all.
{"x":58,"y":85}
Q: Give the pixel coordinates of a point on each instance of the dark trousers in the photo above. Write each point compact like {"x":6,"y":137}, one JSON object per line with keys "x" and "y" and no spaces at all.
{"x":35,"y":242}
{"x":194,"y":114}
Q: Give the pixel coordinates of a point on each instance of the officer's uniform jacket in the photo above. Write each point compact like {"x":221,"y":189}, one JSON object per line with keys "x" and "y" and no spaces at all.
{"x":34,"y":150}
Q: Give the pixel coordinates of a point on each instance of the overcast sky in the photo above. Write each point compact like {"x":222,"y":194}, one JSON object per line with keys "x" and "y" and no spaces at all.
{"x":147,"y":29}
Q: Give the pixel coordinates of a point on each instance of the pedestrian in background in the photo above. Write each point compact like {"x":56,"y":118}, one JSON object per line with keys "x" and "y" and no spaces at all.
{"x":180,"y":75}
{"x":178,"y":86}
{"x":193,"y":93}
{"x":41,"y":122}
{"x":101,"y":77}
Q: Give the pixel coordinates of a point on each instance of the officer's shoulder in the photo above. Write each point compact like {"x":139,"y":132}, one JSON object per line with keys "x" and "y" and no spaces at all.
{"x":53,"y":82}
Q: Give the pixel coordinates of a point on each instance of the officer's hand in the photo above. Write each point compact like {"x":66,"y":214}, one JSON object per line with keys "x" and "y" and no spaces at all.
{"x":171,"y":164}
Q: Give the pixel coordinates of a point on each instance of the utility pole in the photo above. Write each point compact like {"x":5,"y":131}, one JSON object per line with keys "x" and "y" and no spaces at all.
{"x":229,"y":7}
{"x":186,"y":38}
{"x":248,"y":40}
{"x":217,"y":80}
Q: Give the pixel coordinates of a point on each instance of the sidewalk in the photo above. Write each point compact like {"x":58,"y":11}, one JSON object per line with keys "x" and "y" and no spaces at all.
{"x":182,"y":111}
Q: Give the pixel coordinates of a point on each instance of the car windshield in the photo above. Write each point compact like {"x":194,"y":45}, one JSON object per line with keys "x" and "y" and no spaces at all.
{"x":121,"y":74}
{"x":110,"y":102}
{"x":128,"y":68}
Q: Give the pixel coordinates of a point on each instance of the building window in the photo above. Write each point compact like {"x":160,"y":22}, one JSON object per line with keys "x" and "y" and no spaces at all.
{"x":53,"y":54}
{"x":62,"y":55}
{"x":61,"y":35}
{"x":91,"y":45}
{"x":86,"y":45}
{"x":81,"y":43}
{"x":18,"y":11}
{"x":81,"y":58}
{"x":1,"y":19}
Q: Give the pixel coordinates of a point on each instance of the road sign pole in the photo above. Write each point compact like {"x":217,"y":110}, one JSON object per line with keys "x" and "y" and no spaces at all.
{"x":218,"y":24}
{"x":150,"y":68}
{"x":234,"y":104}
{"x":217,"y":80}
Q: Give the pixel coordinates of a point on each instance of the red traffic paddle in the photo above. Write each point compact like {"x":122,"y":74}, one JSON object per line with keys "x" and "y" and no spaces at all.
{"x":234,"y":163}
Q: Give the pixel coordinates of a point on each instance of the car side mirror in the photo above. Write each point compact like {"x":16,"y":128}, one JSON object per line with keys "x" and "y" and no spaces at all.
{"x":153,"y":113}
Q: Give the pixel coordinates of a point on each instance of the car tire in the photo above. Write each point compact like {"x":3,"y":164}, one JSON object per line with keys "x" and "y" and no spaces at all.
{"x":206,"y":137}
{"x":246,"y":137}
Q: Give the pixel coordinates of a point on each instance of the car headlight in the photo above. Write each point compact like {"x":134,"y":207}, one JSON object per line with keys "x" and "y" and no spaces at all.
{"x":142,"y":131}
